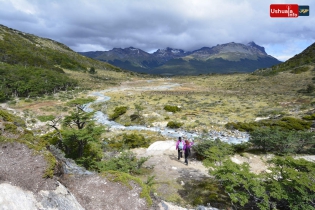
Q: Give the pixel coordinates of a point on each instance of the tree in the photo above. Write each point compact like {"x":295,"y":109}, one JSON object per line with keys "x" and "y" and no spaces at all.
{"x":291,"y":183}
{"x":78,"y":119}
{"x":76,"y":140}
{"x":282,"y":141}
{"x":310,"y":88}
{"x":242,"y":186}
{"x":79,"y":137}
{"x":92,"y":70}
{"x":138,"y":107}
{"x":217,"y":153}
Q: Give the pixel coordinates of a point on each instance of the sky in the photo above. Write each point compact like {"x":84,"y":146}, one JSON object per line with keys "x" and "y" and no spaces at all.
{"x":101,"y":25}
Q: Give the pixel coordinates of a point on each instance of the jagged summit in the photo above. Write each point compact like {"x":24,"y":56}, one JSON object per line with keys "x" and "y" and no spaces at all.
{"x":230,"y":51}
{"x":222,"y":58}
{"x":253,"y":44}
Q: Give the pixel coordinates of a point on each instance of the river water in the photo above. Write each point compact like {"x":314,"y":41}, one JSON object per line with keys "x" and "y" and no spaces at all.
{"x":236,"y":138}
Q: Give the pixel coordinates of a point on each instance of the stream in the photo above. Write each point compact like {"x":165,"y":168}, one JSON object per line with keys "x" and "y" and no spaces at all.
{"x":236,"y":138}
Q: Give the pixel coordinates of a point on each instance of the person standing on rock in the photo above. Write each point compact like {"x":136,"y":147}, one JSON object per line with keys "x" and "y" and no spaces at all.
{"x":179,"y":147}
{"x":186,"y":149}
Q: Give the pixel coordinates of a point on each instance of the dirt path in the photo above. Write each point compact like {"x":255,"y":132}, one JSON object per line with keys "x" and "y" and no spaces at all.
{"x":170,"y":173}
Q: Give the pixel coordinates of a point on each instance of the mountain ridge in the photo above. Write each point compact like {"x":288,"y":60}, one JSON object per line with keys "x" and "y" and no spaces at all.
{"x":216,"y":59}
{"x":302,"y":61}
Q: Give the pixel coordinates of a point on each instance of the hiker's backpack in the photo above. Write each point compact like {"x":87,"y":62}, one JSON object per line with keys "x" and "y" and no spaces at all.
{"x":180,"y":145}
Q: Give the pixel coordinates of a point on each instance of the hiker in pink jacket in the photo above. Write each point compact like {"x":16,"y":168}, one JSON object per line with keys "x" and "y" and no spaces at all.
{"x":180,"y":146}
{"x":186,"y":149}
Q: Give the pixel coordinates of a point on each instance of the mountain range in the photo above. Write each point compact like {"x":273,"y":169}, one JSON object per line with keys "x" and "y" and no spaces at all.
{"x":225,"y":58}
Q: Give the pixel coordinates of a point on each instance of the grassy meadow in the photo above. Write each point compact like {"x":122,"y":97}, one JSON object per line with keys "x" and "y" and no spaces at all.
{"x":207,"y":102}
{"x":210,"y":101}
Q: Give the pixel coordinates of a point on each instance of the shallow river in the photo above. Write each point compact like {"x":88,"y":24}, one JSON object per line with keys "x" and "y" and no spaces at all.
{"x":100,"y":117}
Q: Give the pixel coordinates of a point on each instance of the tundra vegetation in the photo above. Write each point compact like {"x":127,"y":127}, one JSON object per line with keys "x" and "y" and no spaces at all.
{"x":207,"y":102}
{"x":276,"y":106}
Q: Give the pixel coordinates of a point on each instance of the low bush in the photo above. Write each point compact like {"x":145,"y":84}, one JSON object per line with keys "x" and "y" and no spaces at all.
{"x":45,"y":118}
{"x":271,"y":112}
{"x":135,"y":140}
{"x":170,"y":108}
{"x":285,"y":123}
{"x":11,"y":128}
{"x":300,"y":69}
{"x":201,"y":149}
{"x":118,"y":111}
{"x":242,"y":147}
{"x":79,"y":101}
{"x":6,"y":116}
{"x":309,"y":117}
{"x":282,"y":141}
{"x":126,"y":162}
{"x":174,"y":124}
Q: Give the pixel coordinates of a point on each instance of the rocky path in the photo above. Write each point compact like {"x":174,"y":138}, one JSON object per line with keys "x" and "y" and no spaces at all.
{"x":170,"y":173}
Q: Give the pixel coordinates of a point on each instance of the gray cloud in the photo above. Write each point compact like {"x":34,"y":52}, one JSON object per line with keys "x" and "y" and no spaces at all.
{"x":88,"y":25}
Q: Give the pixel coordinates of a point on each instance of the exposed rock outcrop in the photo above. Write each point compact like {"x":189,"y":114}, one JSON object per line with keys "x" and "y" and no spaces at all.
{"x":22,"y":185}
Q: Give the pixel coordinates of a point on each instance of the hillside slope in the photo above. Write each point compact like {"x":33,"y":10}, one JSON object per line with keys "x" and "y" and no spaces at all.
{"x":299,"y":63}
{"x":32,"y":66}
{"x":17,"y":47}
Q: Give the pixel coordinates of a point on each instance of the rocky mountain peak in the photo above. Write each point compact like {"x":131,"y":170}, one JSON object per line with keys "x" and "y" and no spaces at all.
{"x":169,"y":53}
{"x":218,"y":58}
{"x":254,"y":45}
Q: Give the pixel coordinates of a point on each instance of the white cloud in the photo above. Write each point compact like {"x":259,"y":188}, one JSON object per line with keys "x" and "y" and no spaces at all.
{"x":23,"y":6}
{"x":104,"y":24}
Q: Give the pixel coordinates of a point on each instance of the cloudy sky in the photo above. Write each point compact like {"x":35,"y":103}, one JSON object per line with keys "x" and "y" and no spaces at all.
{"x":90,"y":25}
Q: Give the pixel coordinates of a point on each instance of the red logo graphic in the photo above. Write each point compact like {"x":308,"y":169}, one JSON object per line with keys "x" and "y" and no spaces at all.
{"x":284,"y":10}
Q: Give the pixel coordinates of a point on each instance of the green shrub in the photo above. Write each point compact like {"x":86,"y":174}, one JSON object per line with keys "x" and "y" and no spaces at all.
{"x":310,"y":88}
{"x":242,"y":126}
{"x":28,"y":100}
{"x":309,"y":117}
{"x":288,"y":186}
{"x":6,"y":116}
{"x":45,"y":118}
{"x":133,"y":117}
{"x":170,"y":108}
{"x":174,"y":124}
{"x":80,"y":101}
{"x":11,"y":128}
{"x":126,"y":162}
{"x":202,"y":152}
{"x":300,"y":69}
{"x":270,"y":112}
{"x":294,"y":123}
{"x":115,"y":145}
{"x":242,"y":147}
{"x":92,"y":70}
{"x":286,"y":123}
{"x":282,"y":141}
{"x":135,"y":140}
{"x":31,"y":82}
{"x":118,"y":111}
{"x":201,"y":148}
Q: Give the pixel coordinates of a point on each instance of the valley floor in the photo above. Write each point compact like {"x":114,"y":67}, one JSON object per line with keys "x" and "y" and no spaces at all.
{"x":207,"y":103}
